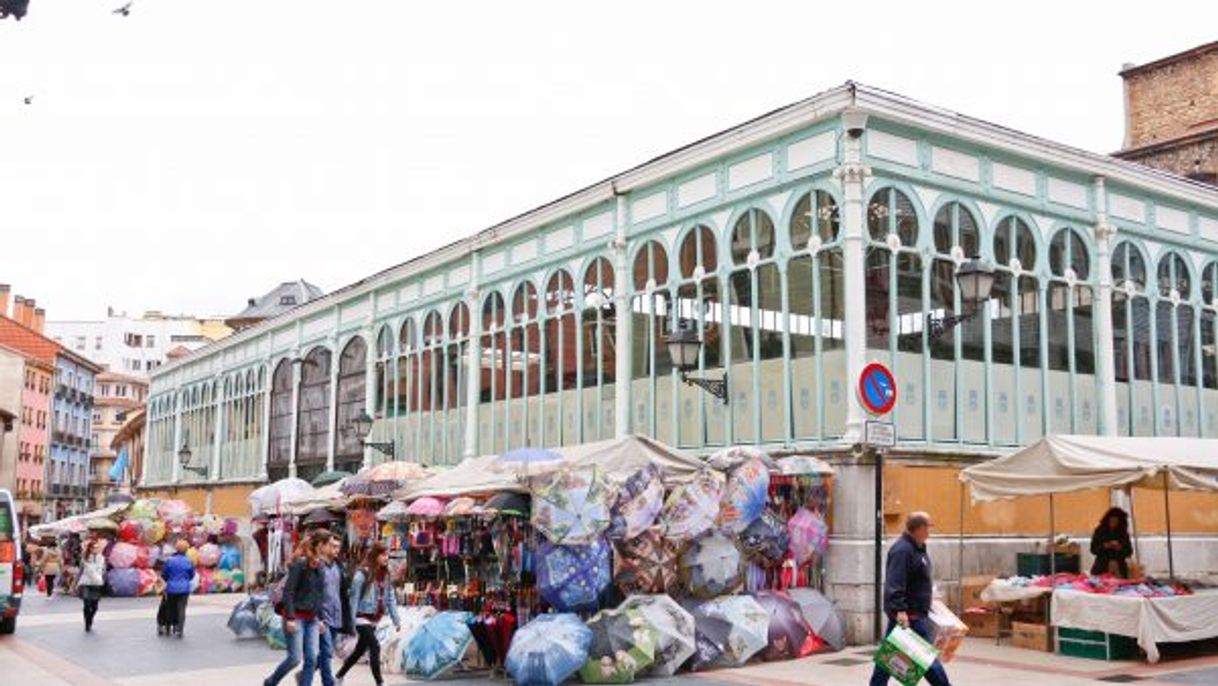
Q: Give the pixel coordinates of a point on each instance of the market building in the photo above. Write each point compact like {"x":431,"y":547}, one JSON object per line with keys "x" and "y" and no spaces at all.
{"x":797,"y":248}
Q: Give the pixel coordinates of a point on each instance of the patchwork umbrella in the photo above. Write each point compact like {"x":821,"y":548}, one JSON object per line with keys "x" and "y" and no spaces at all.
{"x":691,"y":509}
{"x":383,"y":479}
{"x":438,"y":645}
{"x":572,"y":507}
{"x":809,"y":535}
{"x":638,"y":504}
{"x":646,"y":564}
{"x":711,"y":636}
{"x":412,"y":618}
{"x":731,"y":457}
{"x":821,"y":615}
{"x":766,"y":541}
{"x":509,"y":504}
{"x":623,"y":645}
{"x":711,"y":566}
{"x":744,"y":497}
{"x":426,"y":507}
{"x":548,"y":650}
{"x":749,"y":622}
{"x":571,"y":578}
{"x":675,"y":631}
{"x":790,"y":635}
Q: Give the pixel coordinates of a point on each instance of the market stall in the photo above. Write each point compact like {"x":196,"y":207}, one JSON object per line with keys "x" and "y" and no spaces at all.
{"x":1064,"y":464}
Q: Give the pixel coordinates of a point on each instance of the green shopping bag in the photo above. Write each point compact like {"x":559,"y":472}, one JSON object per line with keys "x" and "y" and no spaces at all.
{"x":905,"y":656}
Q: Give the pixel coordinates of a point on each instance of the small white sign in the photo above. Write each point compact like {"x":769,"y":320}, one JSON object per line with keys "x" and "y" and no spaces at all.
{"x":880,"y":434}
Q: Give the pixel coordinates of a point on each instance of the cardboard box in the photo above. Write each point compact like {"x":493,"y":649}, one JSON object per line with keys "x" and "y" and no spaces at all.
{"x":1032,"y":636}
{"x":947,"y":631}
{"x":973,"y":586}
{"x":905,"y":656}
{"x":982,"y":624}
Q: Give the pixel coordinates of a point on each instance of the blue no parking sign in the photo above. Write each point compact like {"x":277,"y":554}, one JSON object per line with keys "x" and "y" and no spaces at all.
{"x":877,"y":388}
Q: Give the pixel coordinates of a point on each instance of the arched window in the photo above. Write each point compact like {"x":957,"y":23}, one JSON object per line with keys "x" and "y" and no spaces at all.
{"x":524,"y":353}
{"x":755,"y":337}
{"x":752,"y":237}
{"x":1070,"y":335}
{"x":955,"y":228}
{"x":1015,"y":333}
{"x":596,"y":339}
{"x":698,"y":255}
{"x":816,"y":214}
{"x":495,"y":370}
{"x":313,"y":417}
{"x":407,"y":394}
{"x":1175,"y":345}
{"x":1209,"y":339}
{"x":352,"y":387}
{"x":956,"y":237}
{"x":1131,"y":331}
{"x":650,"y":309}
{"x":559,"y":362}
{"x":892,"y":212}
{"x":699,"y":305}
{"x":280,"y":449}
{"x":430,"y":388}
{"x":384,"y":375}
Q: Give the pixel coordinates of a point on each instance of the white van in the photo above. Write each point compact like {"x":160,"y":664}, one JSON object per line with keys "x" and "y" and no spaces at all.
{"x":12,"y":568}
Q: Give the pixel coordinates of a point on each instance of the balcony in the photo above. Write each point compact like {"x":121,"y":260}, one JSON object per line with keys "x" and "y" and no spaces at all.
{"x":61,"y":390}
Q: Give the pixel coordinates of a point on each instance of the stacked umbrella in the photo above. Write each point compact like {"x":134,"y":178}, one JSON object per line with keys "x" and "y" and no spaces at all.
{"x":623,"y":645}
{"x":548,"y":650}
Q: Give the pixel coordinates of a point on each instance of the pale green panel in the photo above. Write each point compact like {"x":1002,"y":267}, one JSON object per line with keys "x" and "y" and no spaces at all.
{"x":1088,"y":408}
{"x":551,"y":434}
{"x":516,"y":426}
{"x":943,"y":400}
{"x":1188,"y":411}
{"x":610,"y":418}
{"x":640,"y":404}
{"x":534,"y":436}
{"x":1210,"y":398}
{"x":909,"y":410}
{"x":689,"y":401}
{"x":1031,"y":407}
{"x":1169,"y":414}
{"x":804,"y":405}
{"x":973,"y":400}
{"x":773,"y":422}
{"x":486,"y":439}
{"x":570,"y":421}
{"x":717,"y":418}
{"x":1122,"y":396}
{"x":1059,"y":402}
{"x":1005,"y":404}
{"x":664,"y":427}
{"x":742,"y":401}
{"x":1143,"y":409}
{"x":836,"y":389}
{"x":455,"y":425}
{"x":593,"y":431}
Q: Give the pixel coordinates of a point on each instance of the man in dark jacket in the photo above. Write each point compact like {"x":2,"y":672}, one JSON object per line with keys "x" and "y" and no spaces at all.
{"x":335,"y":611}
{"x":908,"y":590}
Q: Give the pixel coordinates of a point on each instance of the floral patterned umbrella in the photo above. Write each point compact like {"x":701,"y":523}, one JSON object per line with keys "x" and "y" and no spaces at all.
{"x":623,"y":644}
{"x":790,"y":635}
{"x":638,"y":504}
{"x":711,"y":636}
{"x":438,"y":645}
{"x":675,"y":636}
{"x":548,"y":650}
{"x":749,"y":622}
{"x":646,"y":564}
{"x":744,"y":498}
{"x":765,"y":541}
{"x":426,"y":507}
{"x":691,"y":509}
{"x":572,"y":506}
{"x":809,"y":535}
{"x":712,"y":565}
{"x":571,"y":578}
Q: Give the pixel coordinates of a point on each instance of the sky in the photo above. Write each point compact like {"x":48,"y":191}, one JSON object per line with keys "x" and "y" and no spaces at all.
{"x":195,"y":154}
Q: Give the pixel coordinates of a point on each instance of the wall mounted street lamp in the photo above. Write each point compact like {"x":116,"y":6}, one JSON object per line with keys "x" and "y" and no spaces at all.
{"x":184,"y":456}
{"x":684,"y":347}
{"x":975,"y":279}
{"x":362,"y":425}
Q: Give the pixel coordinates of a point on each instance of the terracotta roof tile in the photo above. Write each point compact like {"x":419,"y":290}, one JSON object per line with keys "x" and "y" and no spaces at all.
{"x":28,"y":341}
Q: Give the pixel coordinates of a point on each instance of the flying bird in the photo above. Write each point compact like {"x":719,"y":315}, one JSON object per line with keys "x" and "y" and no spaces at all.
{"x":125,"y":10}
{"x":29,"y":99}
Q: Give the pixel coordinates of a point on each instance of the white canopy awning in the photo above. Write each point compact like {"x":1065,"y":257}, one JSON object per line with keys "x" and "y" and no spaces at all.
{"x":67,"y":524}
{"x":1064,"y":464}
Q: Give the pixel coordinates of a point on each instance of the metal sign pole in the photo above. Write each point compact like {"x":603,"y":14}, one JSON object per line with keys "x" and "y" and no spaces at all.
{"x":879,"y":543}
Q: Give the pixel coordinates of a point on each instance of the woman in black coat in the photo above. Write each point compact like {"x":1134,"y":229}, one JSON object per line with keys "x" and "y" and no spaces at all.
{"x":1110,"y":544}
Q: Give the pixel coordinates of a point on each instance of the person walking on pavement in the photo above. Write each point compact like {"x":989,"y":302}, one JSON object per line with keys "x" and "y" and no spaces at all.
{"x":178,"y":572}
{"x":302,"y":597}
{"x":50,"y":567}
{"x":372,"y":597}
{"x":92,"y":578}
{"x":335,"y":615}
{"x":908,"y":590}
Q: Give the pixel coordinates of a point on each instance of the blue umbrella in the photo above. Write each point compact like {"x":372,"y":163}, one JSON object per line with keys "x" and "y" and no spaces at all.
{"x":548,"y":650}
{"x":572,"y":577}
{"x":438,"y":645}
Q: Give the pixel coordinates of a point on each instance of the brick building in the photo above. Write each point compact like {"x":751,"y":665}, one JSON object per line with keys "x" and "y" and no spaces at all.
{"x":1171,"y":113}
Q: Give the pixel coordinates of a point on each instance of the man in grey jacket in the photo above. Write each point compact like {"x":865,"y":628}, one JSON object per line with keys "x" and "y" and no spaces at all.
{"x":335,"y":613}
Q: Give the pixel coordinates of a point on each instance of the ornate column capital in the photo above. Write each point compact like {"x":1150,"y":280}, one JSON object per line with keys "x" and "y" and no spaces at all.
{"x":852,"y":172}
{"x":1105,"y":231}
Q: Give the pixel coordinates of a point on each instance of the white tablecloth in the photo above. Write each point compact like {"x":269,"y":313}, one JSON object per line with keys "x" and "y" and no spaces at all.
{"x":1150,"y":620}
{"x":1001,"y":592}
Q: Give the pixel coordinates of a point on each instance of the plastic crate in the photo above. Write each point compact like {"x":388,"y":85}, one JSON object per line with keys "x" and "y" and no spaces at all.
{"x":1095,"y":645}
{"x":1037,"y":564}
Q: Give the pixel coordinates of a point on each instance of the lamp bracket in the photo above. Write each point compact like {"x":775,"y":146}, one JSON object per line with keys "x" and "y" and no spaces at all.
{"x":201,"y":471}
{"x":716,"y":387}
{"x":385,"y":448}
{"x":937,"y":326}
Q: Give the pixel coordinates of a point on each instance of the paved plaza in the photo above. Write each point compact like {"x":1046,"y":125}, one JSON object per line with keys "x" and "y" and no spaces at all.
{"x":51,"y":649}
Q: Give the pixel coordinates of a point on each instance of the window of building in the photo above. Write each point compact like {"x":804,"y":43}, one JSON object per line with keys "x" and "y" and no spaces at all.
{"x":287,"y":300}
{"x":80,"y":342}
{"x":150,"y":341}
{"x":97,"y":343}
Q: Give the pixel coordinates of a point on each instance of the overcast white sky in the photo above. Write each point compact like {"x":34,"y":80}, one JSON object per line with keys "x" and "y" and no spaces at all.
{"x":195,"y":153}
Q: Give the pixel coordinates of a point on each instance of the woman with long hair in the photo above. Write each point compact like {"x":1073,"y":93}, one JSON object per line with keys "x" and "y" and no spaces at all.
{"x":92,"y":578}
{"x":1110,"y":544}
{"x":372,"y":597}
{"x":302,"y":596}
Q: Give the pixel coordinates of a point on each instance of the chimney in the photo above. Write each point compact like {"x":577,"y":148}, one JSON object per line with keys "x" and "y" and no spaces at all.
{"x":40,"y":319}
{"x":5,"y":290}
{"x":27,"y":315}
{"x":19,"y":309}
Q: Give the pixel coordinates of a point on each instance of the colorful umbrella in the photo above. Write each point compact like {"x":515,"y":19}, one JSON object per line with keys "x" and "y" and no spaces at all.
{"x":393,"y":512}
{"x":790,"y":635}
{"x":765,"y":541}
{"x":383,"y":479}
{"x":711,"y":636}
{"x":803,"y":465}
{"x":809,"y":535}
{"x":623,"y":644}
{"x":711,"y":566}
{"x":691,"y":509}
{"x":731,"y":457}
{"x":438,"y":645}
{"x":638,"y":504}
{"x":572,"y":507}
{"x":459,"y":507}
{"x":749,"y":622}
{"x":412,"y":618}
{"x":646,"y":564}
{"x":571,"y":578}
{"x":509,"y":504}
{"x":675,"y":635}
{"x":744,"y":498}
{"x":821,"y":615}
{"x":174,"y":510}
{"x":548,"y":650}
{"x":101,"y":524}
{"x":426,"y":507}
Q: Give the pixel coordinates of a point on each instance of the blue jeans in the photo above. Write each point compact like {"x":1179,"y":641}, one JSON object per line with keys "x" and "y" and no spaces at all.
{"x":302,"y":641}
{"x":936,"y":675}
{"x":327,"y":642}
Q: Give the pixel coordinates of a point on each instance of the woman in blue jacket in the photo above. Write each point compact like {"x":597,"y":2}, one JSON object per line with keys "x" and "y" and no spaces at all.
{"x":178,"y":573}
{"x":372,"y":597}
